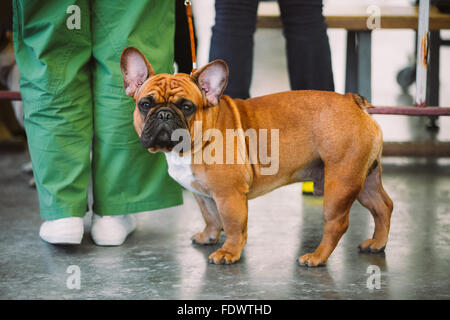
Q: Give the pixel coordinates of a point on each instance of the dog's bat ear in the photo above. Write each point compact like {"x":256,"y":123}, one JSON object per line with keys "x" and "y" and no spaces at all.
{"x":212,"y":80}
{"x":135,"y":69}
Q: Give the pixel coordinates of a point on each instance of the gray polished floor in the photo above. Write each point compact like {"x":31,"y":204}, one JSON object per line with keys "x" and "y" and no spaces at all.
{"x":159,"y":262}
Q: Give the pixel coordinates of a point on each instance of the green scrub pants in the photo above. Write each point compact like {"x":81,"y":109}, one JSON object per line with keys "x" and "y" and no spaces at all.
{"x":73,"y":98}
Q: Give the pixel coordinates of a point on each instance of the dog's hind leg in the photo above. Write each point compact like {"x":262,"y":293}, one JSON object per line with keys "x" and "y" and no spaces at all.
{"x":342,"y":186}
{"x":374,"y":197}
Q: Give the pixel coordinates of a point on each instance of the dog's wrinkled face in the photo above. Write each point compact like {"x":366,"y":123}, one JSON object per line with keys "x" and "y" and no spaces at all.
{"x":165,"y":102}
{"x":164,"y":107}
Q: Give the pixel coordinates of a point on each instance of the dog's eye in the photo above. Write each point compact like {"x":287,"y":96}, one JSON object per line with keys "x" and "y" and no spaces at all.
{"x":144,"y":106}
{"x":146,"y":103}
{"x":187,"y":108}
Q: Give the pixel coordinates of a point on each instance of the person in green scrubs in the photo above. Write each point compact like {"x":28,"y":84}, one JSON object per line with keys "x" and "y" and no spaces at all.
{"x":78,"y":118}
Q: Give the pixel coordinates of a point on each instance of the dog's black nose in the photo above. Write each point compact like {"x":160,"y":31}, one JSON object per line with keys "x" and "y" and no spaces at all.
{"x":164,"y":115}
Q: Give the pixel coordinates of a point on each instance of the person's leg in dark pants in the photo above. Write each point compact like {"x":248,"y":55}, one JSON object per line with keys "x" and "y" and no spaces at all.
{"x":232,"y":41}
{"x":308,"y":50}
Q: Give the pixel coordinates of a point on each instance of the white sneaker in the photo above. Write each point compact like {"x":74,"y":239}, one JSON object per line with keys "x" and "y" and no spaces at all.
{"x":62,"y":231}
{"x":112,"y":230}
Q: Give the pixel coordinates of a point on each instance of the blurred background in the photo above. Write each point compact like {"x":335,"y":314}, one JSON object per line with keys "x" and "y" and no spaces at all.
{"x":392,"y":50}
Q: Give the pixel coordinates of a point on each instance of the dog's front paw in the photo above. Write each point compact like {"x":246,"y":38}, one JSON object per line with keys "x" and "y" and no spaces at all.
{"x":222,"y":256}
{"x":311,"y":260}
{"x":372,"y":246}
{"x":203,"y":238}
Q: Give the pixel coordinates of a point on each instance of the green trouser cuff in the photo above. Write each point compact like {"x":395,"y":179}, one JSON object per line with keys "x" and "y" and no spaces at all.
{"x":48,"y":214}
{"x":113,"y":209}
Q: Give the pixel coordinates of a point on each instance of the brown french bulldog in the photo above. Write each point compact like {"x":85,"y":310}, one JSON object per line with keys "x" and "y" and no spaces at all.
{"x":325,"y":137}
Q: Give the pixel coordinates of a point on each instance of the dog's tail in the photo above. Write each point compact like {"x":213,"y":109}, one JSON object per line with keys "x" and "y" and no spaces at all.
{"x":362,"y":102}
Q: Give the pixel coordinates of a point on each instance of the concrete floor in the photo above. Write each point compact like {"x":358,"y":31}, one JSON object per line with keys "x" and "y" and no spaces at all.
{"x":158,"y":261}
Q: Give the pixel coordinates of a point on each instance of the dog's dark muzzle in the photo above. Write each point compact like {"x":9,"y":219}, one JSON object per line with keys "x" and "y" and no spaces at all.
{"x":158,"y":129}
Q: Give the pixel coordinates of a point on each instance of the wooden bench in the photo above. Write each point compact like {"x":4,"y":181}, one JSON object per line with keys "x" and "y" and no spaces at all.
{"x":355,"y":17}
{"x":354,"y":20}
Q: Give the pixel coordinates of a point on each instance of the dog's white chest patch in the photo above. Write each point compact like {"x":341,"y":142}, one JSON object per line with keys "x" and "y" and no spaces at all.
{"x":180,"y":170}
